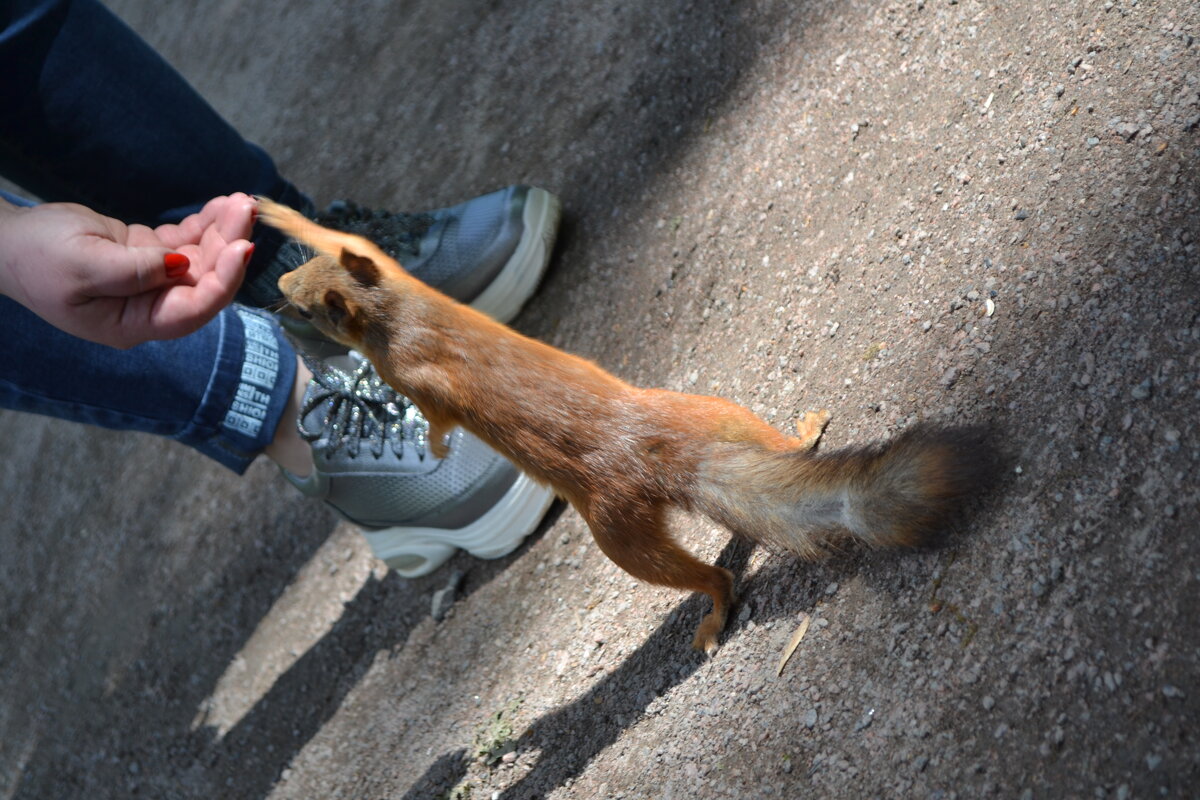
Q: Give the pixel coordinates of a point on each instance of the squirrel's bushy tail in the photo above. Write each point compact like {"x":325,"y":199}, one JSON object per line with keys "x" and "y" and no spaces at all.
{"x":895,"y":494}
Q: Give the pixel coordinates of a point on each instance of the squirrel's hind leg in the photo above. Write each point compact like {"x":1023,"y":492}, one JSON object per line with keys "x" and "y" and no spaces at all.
{"x":810,"y":427}
{"x":641,"y":544}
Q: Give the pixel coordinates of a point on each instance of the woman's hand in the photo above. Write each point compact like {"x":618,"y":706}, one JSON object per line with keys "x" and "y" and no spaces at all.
{"x":121,"y":285}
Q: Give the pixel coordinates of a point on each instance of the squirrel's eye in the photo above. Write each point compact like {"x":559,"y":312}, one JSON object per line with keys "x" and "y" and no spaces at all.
{"x":304,"y":312}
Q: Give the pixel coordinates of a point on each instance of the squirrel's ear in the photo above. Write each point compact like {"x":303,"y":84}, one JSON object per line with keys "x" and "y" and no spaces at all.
{"x":361,"y":268}
{"x":337,"y":308}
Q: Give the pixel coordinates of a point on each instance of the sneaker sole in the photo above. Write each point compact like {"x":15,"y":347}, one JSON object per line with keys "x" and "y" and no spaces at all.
{"x":413,"y":552}
{"x":518,"y":280}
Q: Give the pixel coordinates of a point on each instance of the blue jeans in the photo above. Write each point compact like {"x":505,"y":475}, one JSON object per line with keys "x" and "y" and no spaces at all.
{"x":91,"y":114}
{"x":221,"y":390}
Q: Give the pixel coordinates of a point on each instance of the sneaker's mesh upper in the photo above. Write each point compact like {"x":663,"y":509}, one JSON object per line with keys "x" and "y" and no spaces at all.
{"x":457,"y":250}
{"x":379,"y":495}
{"x":470,"y":229}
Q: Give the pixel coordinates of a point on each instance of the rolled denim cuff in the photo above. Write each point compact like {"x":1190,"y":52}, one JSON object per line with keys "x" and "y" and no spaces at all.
{"x":251,"y":382}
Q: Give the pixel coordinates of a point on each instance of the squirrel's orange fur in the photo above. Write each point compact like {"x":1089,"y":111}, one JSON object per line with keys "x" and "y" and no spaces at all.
{"x":620,"y":454}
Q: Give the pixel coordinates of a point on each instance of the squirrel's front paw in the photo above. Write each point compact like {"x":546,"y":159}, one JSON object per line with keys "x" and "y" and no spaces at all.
{"x":439,"y":448}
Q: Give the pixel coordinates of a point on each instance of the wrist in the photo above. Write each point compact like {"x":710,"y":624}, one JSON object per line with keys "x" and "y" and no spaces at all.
{"x":10,"y":210}
{"x":9,"y":214}
{"x":21,"y":248}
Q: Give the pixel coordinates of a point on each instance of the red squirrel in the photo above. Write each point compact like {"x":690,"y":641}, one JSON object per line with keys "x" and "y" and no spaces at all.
{"x":622,"y":455}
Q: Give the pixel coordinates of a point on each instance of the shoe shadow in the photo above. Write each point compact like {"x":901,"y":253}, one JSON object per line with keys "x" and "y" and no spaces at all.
{"x":113,"y":710}
{"x":380,"y":618}
{"x":605,"y":711}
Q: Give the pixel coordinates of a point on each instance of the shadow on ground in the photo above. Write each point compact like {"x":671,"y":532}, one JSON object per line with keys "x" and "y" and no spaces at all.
{"x":121,"y":612}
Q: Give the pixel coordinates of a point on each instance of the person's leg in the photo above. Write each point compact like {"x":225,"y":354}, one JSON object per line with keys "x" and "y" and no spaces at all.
{"x":222,"y":390}
{"x":93,"y":115}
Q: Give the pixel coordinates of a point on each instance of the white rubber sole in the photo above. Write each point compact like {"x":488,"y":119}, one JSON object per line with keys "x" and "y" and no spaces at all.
{"x":503,"y":298}
{"x":413,"y":552}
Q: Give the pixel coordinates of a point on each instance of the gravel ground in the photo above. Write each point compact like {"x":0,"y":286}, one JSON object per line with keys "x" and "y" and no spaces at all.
{"x":911,"y":210}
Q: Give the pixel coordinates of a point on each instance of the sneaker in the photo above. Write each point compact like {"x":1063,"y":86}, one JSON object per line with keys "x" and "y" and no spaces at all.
{"x":373,"y":465}
{"x":489,"y":252}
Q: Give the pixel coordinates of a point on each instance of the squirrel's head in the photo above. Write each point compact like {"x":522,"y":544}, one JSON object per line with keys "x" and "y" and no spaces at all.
{"x":337,"y":295}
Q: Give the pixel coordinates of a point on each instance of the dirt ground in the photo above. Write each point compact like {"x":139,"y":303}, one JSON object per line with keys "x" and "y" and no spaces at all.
{"x":927,"y":209}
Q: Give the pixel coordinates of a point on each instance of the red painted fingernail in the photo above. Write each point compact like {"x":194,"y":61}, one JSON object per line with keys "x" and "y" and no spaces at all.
{"x":176,"y":263}
{"x":249,"y":252}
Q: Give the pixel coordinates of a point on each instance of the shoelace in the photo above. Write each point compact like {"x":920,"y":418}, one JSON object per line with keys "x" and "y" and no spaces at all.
{"x":397,"y":233}
{"x":361,"y":408}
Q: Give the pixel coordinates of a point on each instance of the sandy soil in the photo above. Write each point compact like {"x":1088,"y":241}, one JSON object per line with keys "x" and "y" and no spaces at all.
{"x":928,"y":209}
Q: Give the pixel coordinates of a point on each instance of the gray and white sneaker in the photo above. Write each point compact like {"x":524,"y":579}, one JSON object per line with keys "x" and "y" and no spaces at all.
{"x":372,"y":463}
{"x":489,"y":252}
